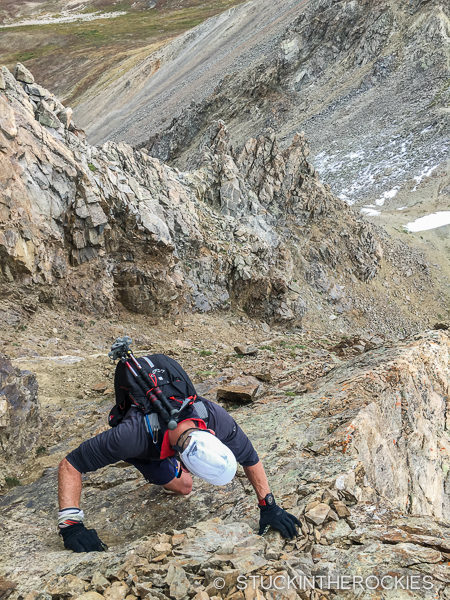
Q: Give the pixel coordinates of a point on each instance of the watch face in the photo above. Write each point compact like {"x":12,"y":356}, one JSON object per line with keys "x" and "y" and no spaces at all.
{"x":270,"y":499}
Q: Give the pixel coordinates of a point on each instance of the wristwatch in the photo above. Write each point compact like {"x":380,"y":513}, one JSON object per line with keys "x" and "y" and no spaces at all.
{"x":267,"y":502}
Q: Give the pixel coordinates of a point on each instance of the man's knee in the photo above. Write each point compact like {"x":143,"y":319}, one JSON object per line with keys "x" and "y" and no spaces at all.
{"x":180,"y":485}
{"x":186,"y":488}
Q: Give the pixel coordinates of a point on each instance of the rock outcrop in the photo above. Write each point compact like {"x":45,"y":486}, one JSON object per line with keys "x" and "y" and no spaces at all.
{"x":255,"y":229}
{"x":20,"y":421}
{"x":369,"y":508}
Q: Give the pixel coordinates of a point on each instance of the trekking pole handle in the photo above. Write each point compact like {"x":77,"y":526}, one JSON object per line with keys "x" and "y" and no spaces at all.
{"x":121,"y":350}
{"x":156,"y":396}
{"x":156,"y":390}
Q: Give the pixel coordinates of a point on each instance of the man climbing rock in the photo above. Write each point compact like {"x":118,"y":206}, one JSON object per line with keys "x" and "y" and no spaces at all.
{"x":204,"y":441}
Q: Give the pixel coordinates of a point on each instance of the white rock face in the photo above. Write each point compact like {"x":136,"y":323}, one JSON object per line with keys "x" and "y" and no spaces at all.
{"x":403,"y":436}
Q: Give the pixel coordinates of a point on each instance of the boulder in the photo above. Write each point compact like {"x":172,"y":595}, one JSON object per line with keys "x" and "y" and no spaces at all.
{"x":244,"y":389}
{"x":20,"y":421}
{"x":46,"y":116}
{"x":22,"y":74}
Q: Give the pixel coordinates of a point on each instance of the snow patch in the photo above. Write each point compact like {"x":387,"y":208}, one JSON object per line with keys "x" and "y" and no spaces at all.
{"x":353,"y":155}
{"x":370,"y":212}
{"x":65,"y":17}
{"x":433,"y":221}
{"x":387,"y":196}
{"x":425,"y":173}
{"x":359,"y":174}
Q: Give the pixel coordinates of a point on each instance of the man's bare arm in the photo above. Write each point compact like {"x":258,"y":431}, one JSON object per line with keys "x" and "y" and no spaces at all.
{"x":69,"y":485}
{"x":257,"y":477}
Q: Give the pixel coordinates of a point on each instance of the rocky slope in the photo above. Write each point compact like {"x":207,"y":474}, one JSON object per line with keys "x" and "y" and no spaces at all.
{"x":351,"y":423}
{"x":355,"y":442}
{"x":254,"y":229}
{"x":366,"y":82}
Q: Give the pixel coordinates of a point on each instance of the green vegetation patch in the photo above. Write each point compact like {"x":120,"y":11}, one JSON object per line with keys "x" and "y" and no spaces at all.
{"x":205,"y":352}
{"x":29,"y":54}
{"x":12,"y":482}
{"x":206,"y":373}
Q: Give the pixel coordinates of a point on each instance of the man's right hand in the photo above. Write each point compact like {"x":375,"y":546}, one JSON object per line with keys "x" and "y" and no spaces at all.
{"x":79,"y":539}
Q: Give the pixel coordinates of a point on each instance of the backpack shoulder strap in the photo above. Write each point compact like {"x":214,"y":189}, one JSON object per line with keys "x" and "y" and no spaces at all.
{"x":173,"y":368}
{"x":201,"y":410}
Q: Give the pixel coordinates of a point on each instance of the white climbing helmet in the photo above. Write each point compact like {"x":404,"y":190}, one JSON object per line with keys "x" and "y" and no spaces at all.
{"x":206,"y":457}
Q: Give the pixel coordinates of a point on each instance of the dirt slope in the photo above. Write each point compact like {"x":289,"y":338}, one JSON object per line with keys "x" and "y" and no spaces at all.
{"x":191,"y":67}
{"x":70,"y":57}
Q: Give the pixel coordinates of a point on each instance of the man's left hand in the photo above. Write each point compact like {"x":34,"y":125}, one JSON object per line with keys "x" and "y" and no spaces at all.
{"x":276,"y":517}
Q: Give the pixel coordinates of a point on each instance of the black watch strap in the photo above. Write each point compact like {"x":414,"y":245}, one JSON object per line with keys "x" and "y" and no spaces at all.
{"x":267,"y":502}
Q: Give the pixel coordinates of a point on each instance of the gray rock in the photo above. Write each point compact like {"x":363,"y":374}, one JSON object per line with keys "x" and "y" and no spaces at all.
{"x":179,"y":585}
{"x":37,"y":91}
{"x":21,"y":73}
{"x":46,"y":116}
{"x":318,"y":514}
{"x":104,"y":211}
{"x":7,"y":119}
{"x":99,"y":582}
{"x":20,"y":421}
{"x":246,"y":350}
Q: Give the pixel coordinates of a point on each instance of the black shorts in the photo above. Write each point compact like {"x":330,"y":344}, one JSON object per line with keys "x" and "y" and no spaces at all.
{"x":158,"y":472}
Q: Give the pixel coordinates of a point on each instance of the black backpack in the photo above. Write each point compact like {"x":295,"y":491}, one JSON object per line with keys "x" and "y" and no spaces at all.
{"x":165,"y":372}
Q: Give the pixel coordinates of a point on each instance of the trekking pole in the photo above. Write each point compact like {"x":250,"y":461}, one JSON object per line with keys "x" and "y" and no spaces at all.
{"x":121,"y":350}
{"x":156,"y":395}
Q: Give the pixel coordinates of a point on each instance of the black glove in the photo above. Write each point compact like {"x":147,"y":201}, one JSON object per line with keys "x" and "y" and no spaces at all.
{"x":274,"y":516}
{"x":79,"y":539}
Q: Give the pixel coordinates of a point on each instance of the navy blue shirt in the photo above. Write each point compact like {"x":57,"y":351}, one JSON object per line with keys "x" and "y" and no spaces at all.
{"x":130,"y":441}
